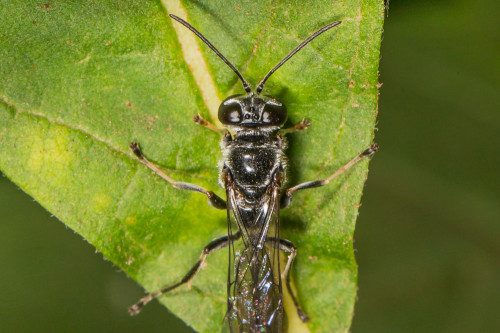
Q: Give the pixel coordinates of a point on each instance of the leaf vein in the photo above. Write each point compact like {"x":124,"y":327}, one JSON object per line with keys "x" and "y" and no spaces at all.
{"x":15,"y":109}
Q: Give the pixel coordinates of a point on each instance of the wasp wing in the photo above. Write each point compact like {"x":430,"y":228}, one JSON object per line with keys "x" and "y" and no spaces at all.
{"x":254,"y":274}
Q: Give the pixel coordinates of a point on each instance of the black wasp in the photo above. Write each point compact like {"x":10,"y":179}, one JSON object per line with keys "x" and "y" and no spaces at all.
{"x":253,"y":172}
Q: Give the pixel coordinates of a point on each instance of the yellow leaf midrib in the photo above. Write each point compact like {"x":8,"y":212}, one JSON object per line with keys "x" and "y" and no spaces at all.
{"x":194,"y":58}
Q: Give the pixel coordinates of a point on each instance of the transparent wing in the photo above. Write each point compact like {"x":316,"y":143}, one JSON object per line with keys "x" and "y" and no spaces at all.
{"x":254,"y":279}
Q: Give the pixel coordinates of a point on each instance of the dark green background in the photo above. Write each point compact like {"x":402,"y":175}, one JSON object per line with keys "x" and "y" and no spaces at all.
{"x":428,"y":235}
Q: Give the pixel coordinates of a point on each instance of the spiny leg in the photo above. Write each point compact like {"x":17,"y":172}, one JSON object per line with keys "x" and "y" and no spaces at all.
{"x":304,"y":123}
{"x":287,"y":197}
{"x":213,"y":199}
{"x":211,"y":247}
{"x":205,"y":123}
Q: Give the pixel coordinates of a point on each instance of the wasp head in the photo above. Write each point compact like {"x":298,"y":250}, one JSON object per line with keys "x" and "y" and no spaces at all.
{"x":252,"y":110}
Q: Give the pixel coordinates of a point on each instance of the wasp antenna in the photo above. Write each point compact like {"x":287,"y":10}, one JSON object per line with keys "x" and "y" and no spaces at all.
{"x":297,"y":49}
{"x":246,"y":86}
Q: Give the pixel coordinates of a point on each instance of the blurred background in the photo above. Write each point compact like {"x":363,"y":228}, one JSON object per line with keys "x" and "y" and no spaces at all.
{"x":428,"y":235}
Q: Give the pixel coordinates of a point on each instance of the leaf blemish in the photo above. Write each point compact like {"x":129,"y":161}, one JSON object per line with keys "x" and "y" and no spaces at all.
{"x":101,"y":201}
{"x":51,"y":154}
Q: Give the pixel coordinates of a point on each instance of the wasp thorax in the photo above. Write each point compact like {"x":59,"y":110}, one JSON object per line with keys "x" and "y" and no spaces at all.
{"x":252,"y":111}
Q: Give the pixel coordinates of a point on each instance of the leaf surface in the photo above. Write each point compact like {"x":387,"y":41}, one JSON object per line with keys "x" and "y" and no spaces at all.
{"x":81,"y":80}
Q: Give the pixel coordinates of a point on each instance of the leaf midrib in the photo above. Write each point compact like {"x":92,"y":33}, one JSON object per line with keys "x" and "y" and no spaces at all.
{"x":194,"y":59}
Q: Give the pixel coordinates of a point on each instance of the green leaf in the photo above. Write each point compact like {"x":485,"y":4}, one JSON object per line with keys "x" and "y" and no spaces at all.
{"x":82,"y":79}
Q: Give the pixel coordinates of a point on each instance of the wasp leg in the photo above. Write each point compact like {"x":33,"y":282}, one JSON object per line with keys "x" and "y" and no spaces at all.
{"x":205,"y":123}
{"x":286,"y":246}
{"x":305,"y":123}
{"x":211,"y":247}
{"x":213,"y":199}
{"x":287,"y":197}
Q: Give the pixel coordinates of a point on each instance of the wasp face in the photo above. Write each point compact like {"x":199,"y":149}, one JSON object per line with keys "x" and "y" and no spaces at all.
{"x":252,"y":111}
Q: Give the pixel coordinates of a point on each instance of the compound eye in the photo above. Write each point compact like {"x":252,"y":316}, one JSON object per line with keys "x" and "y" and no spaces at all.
{"x":274,"y":114}
{"x":230,"y":113}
